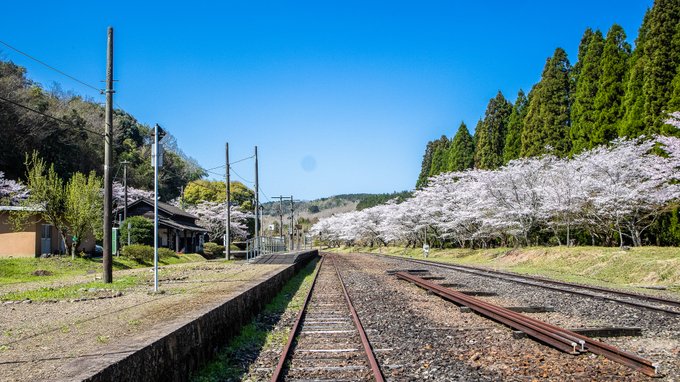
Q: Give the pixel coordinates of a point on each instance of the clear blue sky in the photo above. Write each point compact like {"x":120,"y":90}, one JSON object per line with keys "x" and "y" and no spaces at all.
{"x":340,"y":97}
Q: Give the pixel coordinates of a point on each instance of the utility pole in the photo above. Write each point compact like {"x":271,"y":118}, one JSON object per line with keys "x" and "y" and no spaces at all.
{"x":227,"y":236}
{"x":156,"y":157}
{"x":292,"y":208}
{"x":257,"y":205}
{"x":281,"y":217}
{"x":108,"y":158}
{"x":125,"y":163}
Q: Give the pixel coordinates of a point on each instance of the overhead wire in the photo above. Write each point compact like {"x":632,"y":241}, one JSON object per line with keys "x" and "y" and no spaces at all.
{"x":50,"y":117}
{"x":100,"y":91}
{"x":230,"y":163}
{"x":242,"y":178}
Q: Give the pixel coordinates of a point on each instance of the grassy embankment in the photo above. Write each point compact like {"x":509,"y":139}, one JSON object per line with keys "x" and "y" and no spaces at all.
{"x":643,"y":266}
{"x":16,"y":271}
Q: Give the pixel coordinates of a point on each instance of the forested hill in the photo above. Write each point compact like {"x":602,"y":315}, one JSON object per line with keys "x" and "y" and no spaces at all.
{"x":73,"y":141}
{"x":336,"y":204}
{"x":611,"y":91}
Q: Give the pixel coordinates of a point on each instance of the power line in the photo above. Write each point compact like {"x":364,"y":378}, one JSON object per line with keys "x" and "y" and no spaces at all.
{"x":264,"y":194}
{"x":216,"y":173}
{"x":224,"y":165}
{"x":241,"y":160}
{"x":215,"y":168}
{"x":100,"y":91}
{"x":50,"y":117}
{"x":242,"y":178}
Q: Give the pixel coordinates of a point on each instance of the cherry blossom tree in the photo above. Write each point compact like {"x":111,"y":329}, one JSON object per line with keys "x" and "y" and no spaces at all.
{"x":11,"y":192}
{"x":134,"y":194}
{"x":212,"y":215}
{"x":611,"y":191}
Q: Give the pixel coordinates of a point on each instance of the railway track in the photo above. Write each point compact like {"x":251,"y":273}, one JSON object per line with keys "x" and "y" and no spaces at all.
{"x":327,"y":341}
{"x":557,"y":337}
{"x":654,"y":303}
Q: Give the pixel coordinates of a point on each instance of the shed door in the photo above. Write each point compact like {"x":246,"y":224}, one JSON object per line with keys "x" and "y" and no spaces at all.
{"x":46,"y":238}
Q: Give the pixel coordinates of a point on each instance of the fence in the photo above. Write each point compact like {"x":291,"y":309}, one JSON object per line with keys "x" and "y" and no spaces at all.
{"x":264,"y":246}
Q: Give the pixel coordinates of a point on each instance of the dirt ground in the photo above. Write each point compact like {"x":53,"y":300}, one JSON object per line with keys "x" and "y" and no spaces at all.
{"x":53,"y":340}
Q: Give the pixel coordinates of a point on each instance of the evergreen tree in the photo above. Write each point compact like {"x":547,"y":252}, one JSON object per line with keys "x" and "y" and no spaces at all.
{"x":674,"y":102}
{"x":462,"y":151}
{"x":583,"y":113}
{"x":653,"y":68}
{"x":632,"y":124}
{"x":582,"y":50}
{"x":440,"y":156}
{"x":425,"y":165}
{"x":491,"y":136}
{"x":547,"y":120}
{"x":513,"y":137}
{"x":664,"y":59}
{"x":610,"y":90}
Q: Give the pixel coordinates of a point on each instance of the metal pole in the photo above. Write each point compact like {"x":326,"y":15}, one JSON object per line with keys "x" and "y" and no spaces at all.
{"x":125,"y":163}
{"x":155,"y":208}
{"x":281,"y":216}
{"x":108,"y":159}
{"x":292,"y":207}
{"x":257,"y":205}
{"x":227,"y":236}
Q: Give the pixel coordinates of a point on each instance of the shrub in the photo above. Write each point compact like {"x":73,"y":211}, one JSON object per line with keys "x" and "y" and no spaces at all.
{"x":141,"y":230}
{"x":143,"y":254}
{"x":213,"y":250}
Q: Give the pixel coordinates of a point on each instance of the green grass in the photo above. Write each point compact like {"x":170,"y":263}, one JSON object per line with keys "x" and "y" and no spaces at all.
{"x":642,"y":266}
{"x":259,"y":334}
{"x":17,"y":270}
{"x":71,"y":291}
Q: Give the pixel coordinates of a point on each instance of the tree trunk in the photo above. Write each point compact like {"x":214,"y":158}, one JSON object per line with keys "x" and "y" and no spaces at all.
{"x":568,"y":239}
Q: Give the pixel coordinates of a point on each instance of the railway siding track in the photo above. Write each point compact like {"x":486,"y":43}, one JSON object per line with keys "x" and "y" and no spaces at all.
{"x":559,"y":338}
{"x":327,"y":341}
{"x":664,"y":305}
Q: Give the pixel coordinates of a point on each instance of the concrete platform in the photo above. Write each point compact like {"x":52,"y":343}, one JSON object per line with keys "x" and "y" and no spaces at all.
{"x":139,"y":336}
{"x":287,"y":257}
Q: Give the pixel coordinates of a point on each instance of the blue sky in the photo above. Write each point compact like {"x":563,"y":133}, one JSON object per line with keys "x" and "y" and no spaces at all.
{"x":340,"y":96}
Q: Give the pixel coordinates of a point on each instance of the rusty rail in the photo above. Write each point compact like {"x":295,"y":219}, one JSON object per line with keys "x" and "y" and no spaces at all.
{"x":560,"y":338}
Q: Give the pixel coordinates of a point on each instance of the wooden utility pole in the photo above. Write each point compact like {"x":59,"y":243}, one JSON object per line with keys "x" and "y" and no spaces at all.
{"x":227,"y":235}
{"x":108,"y":158}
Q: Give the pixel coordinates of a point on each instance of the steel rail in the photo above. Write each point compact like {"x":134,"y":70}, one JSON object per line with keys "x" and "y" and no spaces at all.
{"x":578,"y":285}
{"x":552,"y":335}
{"x":377,"y":373}
{"x":368,"y":350}
{"x":278,"y":372}
{"x":536,"y":281}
